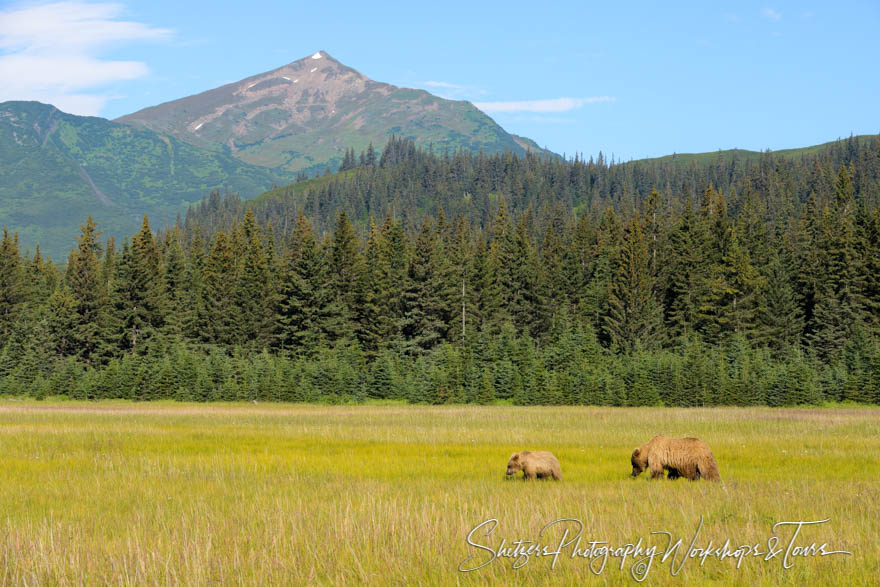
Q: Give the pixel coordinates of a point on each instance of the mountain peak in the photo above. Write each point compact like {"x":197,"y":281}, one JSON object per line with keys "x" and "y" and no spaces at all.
{"x":304,"y":115}
{"x":314,"y":58}
{"x":320,"y":63}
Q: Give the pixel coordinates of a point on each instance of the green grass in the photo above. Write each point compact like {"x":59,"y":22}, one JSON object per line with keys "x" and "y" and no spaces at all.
{"x":116,"y":492}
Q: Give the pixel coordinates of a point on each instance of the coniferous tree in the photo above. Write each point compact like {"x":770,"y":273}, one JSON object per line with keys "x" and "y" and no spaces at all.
{"x":749,"y":318}
{"x":253,"y":293}
{"x":464,"y":280}
{"x":395,"y":254}
{"x":595,"y":304}
{"x":309,"y":315}
{"x":552,"y":280}
{"x":424,"y":319}
{"x":779,"y":316}
{"x":527,"y":302}
{"x":499,"y":282}
{"x":733,"y":289}
{"x":191,"y":297}
{"x":61,"y":319}
{"x":487,"y":298}
{"x":42,"y":277}
{"x":686,"y":288}
{"x":580,"y":264}
{"x":215,"y":313}
{"x":375,"y":309}
{"x":346,"y":266}
{"x":88,"y":293}
{"x":634,"y":314}
{"x":838,"y":303}
{"x":487,"y":388}
{"x":12,"y":283}
{"x":138,"y":293}
{"x":870,"y":268}
{"x":175,"y":271}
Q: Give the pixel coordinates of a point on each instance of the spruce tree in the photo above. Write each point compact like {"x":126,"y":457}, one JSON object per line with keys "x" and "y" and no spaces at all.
{"x":215,"y":313}
{"x":175,"y":271}
{"x":730,"y":302}
{"x":688,"y":276}
{"x":779,"y":316}
{"x":191,"y":298}
{"x":870,"y":268}
{"x":838,"y":302}
{"x":424,"y":321}
{"x":309,"y":315}
{"x":528,"y":297}
{"x":595,"y":303}
{"x":138,"y":293}
{"x":375,"y":308}
{"x":253,"y":293}
{"x":487,"y":389}
{"x":89,"y":294}
{"x":13,"y":290}
{"x":346,"y":266}
{"x":634,"y":315}
{"x":465,"y":280}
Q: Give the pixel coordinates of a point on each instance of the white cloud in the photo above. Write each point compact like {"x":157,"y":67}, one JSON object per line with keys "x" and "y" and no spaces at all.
{"x":452,"y":91}
{"x":771,"y":14}
{"x":549,"y":105}
{"x":543,"y":119}
{"x":51,"y":53}
{"x":444,"y":85}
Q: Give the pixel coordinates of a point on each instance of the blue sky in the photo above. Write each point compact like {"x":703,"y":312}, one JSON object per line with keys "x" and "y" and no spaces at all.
{"x":633,"y":79}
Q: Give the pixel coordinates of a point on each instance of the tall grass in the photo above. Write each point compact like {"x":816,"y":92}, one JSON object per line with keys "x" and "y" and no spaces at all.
{"x":278,"y":494}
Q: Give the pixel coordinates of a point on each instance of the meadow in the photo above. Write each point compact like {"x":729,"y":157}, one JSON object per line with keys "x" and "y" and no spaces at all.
{"x":170,"y":493}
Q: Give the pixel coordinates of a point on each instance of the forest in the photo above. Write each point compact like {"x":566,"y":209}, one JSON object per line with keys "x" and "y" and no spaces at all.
{"x":410,"y":275}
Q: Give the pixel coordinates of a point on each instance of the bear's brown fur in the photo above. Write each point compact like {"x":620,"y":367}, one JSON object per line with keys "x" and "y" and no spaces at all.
{"x":682,"y":457}
{"x":534,"y":464}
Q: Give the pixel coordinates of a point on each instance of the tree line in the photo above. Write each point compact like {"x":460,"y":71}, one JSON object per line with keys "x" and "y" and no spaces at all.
{"x":745,"y":292}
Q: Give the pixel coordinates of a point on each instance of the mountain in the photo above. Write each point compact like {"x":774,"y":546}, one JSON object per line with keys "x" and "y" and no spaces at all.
{"x":304,"y":115}
{"x":59,"y":168}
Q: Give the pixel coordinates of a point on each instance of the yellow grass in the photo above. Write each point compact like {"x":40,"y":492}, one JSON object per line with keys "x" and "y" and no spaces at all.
{"x":128,"y":493}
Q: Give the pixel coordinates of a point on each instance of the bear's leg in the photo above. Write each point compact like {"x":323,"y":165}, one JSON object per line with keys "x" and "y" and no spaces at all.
{"x":528,"y":473}
{"x":656,"y":470}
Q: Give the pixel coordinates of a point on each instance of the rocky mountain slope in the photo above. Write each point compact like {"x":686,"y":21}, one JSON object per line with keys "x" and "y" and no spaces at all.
{"x":304,"y":115}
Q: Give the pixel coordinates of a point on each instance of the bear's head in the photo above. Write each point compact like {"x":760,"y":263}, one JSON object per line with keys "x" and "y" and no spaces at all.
{"x":639,"y":462}
{"x":513,"y":465}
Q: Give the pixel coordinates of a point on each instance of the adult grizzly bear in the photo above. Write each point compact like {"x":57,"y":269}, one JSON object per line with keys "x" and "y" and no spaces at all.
{"x":534,"y":464}
{"x":682,"y":457}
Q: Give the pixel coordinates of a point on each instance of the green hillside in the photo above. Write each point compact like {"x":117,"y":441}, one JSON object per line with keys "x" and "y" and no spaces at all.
{"x":746,"y":155}
{"x":60,"y":168}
